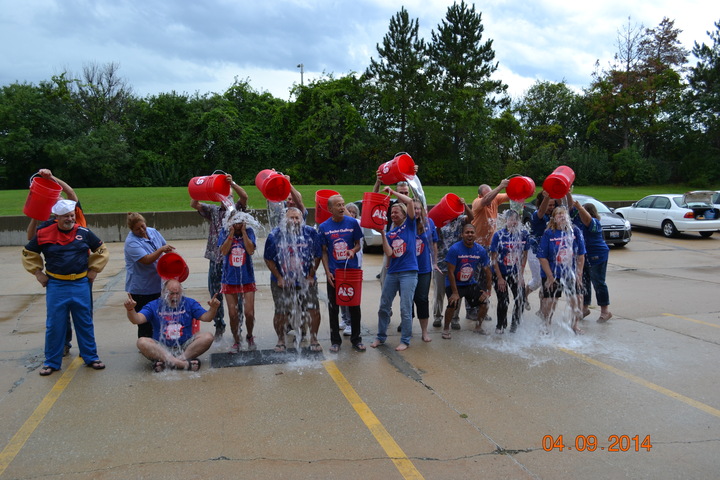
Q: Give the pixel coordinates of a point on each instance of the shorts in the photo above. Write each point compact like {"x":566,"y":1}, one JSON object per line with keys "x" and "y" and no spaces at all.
{"x":557,"y":288}
{"x":248,"y":287}
{"x":285,"y":299}
{"x":471,"y":293}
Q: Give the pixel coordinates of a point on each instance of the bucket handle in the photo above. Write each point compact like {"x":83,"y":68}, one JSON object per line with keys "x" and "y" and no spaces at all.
{"x":216,"y":171}
{"x":400,"y":153}
{"x":31,"y":178}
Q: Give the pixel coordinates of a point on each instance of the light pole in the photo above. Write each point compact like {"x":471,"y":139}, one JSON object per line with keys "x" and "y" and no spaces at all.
{"x":301,"y":66}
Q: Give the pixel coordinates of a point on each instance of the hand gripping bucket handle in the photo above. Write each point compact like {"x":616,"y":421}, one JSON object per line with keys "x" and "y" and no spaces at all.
{"x":519,"y":188}
{"x":212,"y":188}
{"x":273,"y":185}
{"x":43,"y":195}
{"x":374,"y":211}
{"x":348,"y":286}
{"x":399,"y":169}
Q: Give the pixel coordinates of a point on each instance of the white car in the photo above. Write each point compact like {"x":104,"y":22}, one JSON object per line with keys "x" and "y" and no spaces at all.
{"x":673,"y":214}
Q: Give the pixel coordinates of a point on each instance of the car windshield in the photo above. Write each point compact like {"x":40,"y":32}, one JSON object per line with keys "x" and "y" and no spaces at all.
{"x":601,"y":208}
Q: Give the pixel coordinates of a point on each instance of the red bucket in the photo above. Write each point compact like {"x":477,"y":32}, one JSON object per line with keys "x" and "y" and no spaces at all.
{"x":520,"y":188}
{"x":212,"y":188}
{"x":171,"y":266}
{"x":558,"y":183}
{"x":322,"y":212}
{"x":374,"y":211}
{"x":348,"y":286}
{"x":273,"y":185}
{"x":398,"y":169}
{"x":449,"y":208}
{"x":43,"y":195}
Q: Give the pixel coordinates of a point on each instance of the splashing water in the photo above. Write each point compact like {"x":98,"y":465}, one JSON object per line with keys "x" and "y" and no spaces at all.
{"x":417,"y":189}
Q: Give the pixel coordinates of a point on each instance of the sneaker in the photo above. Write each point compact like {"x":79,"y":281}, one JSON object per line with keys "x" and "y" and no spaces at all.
{"x":455,"y":325}
{"x":499,"y":331}
{"x":235,"y":348}
{"x":347,"y":331}
{"x":251,"y":343}
{"x":437,"y":323}
{"x":342,"y":324}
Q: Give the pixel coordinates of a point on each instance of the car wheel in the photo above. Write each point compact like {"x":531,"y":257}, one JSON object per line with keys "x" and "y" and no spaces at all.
{"x":706,"y":234}
{"x":668,"y":229}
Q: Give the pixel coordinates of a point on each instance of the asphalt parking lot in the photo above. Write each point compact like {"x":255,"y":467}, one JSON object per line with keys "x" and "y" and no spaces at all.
{"x":637,"y":397}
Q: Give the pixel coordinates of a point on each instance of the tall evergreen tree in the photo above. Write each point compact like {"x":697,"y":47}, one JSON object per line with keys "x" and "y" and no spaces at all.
{"x":466,"y":97}
{"x":397,"y":82}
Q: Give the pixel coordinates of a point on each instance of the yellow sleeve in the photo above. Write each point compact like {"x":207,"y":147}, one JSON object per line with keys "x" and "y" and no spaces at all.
{"x":32,"y":261}
{"x":99,"y":258}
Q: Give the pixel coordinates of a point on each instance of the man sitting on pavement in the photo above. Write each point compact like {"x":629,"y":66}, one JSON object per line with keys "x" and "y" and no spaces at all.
{"x":173,"y":344}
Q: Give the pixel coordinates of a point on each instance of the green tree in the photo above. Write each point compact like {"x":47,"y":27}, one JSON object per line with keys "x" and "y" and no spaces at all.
{"x":330,"y":131}
{"x":396,"y":83}
{"x":703,"y":143}
{"x":466,"y":98}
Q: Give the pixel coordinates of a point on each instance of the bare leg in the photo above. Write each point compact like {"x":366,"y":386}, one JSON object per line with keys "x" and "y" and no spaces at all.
{"x":234,"y":313}
{"x":279,"y":322}
{"x":449,"y":312}
{"x":314,"y":328}
{"x":424,"y":328}
{"x":249,"y":299}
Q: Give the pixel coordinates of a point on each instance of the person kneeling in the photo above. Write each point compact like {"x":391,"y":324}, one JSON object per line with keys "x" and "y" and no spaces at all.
{"x":173,"y":344}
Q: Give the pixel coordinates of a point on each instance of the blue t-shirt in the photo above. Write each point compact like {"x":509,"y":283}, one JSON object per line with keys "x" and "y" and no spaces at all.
{"x":338,"y":238}
{"x":596,"y":250}
{"x":294,"y":255}
{"x":560,"y":248}
{"x":424,"y":247}
{"x":402,"y":241}
{"x":142,"y":279}
{"x":466,"y":261}
{"x":172,"y":326}
{"x":237,"y":264}
{"x":510,"y":247}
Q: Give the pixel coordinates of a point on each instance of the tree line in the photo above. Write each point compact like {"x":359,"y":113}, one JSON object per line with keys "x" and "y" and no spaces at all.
{"x":648,"y":117}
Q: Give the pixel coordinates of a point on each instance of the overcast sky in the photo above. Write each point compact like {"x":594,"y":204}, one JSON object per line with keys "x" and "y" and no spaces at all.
{"x":202,"y":45}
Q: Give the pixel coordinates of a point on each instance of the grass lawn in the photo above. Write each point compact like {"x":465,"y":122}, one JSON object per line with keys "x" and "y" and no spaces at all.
{"x":164,"y":199}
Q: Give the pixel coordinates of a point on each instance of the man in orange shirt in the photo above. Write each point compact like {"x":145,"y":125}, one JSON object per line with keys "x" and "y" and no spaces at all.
{"x":485,"y":211}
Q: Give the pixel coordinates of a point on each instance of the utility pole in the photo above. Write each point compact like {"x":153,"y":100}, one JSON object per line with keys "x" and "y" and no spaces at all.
{"x":301,"y":67}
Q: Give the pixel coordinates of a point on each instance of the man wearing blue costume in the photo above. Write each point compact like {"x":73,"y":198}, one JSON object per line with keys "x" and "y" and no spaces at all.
{"x":73,"y":257}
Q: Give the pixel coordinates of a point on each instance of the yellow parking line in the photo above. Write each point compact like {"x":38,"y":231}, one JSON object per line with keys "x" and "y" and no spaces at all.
{"x":18,"y":440}
{"x":393,"y":450}
{"x":692,"y":320}
{"x":645,"y":383}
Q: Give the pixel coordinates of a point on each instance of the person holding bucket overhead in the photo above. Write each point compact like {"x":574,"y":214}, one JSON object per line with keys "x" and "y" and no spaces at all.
{"x":341,"y":240}
{"x":402,"y":273}
{"x":36,"y":224}
{"x":143,"y":247}
{"x":214,"y":215}
{"x":237,"y":245}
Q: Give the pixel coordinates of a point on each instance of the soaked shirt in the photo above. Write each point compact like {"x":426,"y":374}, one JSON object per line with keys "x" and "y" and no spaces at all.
{"x":237,"y":264}
{"x":294,"y":255}
{"x":172,"y":326}
{"x":561,"y":248}
{"x":510,"y":247}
